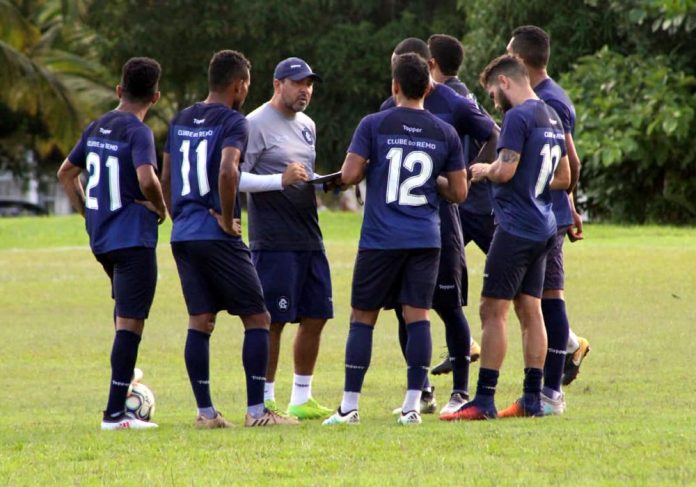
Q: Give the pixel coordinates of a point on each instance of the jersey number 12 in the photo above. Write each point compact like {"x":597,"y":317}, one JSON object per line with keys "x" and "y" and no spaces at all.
{"x":402,"y":192}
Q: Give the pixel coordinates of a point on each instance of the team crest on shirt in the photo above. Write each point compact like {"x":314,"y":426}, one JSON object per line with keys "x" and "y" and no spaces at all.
{"x":307,"y":134}
{"x":283,"y":303}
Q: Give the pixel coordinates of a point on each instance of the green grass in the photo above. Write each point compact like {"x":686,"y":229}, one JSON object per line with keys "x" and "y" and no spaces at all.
{"x":631,"y":419}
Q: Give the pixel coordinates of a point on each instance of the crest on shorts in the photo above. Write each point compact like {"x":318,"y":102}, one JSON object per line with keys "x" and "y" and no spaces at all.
{"x":283,"y":303}
{"x":308,"y":137}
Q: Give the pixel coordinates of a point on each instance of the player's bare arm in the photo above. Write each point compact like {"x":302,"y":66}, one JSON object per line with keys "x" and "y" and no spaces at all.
{"x":453,"y":186}
{"x":574,"y":161}
{"x":227,"y":185}
{"x":575,"y":230}
{"x":353,"y":169}
{"x":166,"y":181}
{"x":501,"y":171}
{"x":150,"y":186}
{"x":69,"y":177}
{"x":489,"y":150}
{"x":561,"y":177}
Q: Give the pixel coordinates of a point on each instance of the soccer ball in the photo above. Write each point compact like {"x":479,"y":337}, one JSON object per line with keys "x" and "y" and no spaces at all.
{"x":141,"y":401}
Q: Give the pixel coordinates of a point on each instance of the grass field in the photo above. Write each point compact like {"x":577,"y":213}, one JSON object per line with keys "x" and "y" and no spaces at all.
{"x":631,"y":416}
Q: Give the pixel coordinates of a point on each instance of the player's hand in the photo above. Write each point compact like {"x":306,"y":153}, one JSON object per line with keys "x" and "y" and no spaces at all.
{"x":334,"y":184}
{"x":479,"y":172}
{"x":234,"y":228}
{"x":161,"y":215}
{"x":575,"y":230}
{"x":294,"y":173}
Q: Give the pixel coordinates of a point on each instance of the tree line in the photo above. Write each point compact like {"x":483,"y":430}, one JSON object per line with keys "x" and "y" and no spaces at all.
{"x":627,"y":65}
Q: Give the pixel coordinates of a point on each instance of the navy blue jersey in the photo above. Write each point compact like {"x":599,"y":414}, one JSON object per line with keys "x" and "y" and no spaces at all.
{"x":522,"y":206}
{"x":197,"y":136}
{"x":407,"y":149}
{"x":471,"y":124}
{"x":110,"y":149}
{"x":479,"y":199}
{"x":554,"y":96}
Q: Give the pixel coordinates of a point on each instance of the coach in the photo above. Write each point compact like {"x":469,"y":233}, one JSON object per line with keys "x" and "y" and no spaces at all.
{"x":284,"y":234}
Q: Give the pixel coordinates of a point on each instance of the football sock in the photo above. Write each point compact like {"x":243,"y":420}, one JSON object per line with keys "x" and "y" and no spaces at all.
{"x":358,"y":355}
{"x":197,"y":358}
{"x":557,"y":331}
{"x":255,"y":361}
{"x":419,"y":349}
{"x":209,"y":413}
{"x":301,"y":389}
{"x":487,"y":381}
{"x":458,"y":336}
{"x":532,"y":387}
{"x":349,"y":402}
{"x":403,"y":339}
{"x":269,"y":391}
{"x":124,"y":353}
{"x":573,"y":343}
{"x":411,"y":401}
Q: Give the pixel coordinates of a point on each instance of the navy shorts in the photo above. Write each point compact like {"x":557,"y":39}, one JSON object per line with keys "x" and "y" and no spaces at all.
{"x":296,"y":284}
{"x":452,"y":284}
{"x":555,"y":275}
{"x":218,"y":275}
{"x":384,"y":278}
{"x":133,"y":274}
{"x":479,"y":228}
{"x":515,"y":265}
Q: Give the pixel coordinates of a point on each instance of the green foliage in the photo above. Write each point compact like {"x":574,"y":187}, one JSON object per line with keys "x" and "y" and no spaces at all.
{"x":636,"y":129}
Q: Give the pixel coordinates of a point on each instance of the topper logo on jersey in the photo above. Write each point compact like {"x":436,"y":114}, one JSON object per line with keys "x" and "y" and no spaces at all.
{"x":104,"y":131}
{"x":198,"y":121}
{"x":307,"y":134}
{"x":283,"y":303}
{"x":413,"y":130}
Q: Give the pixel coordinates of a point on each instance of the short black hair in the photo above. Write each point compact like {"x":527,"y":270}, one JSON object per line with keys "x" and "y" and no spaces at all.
{"x":225,"y":67}
{"x":506,"y":64}
{"x":413,"y":44}
{"x":412,"y":74}
{"x":532,"y":44}
{"x":140,"y":79}
{"x":448,"y":52}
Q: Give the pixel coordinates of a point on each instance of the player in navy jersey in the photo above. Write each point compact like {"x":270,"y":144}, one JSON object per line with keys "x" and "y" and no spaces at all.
{"x":532,"y":45}
{"x":200,"y":176}
{"x":476,"y":212}
{"x":452,"y":286}
{"x":531,"y":161}
{"x":122,"y":205}
{"x":407,"y":148}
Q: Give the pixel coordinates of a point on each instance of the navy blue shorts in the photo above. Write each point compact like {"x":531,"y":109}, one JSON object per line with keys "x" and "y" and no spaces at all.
{"x":555,"y":275}
{"x":218,"y":275}
{"x":452,"y":284}
{"x":296,"y":284}
{"x":384,"y":278}
{"x":514,"y":265}
{"x":478,"y":228}
{"x":133,"y":274}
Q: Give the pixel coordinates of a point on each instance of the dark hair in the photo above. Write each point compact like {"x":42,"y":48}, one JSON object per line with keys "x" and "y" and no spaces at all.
{"x":532,"y":44}
{"x":506,"y":64}
{"x":140,"y":78}
{"x":412,"y":74}
{"x":225,"y":67}
{"x":448,"y":52}
{"x":413,"y":44}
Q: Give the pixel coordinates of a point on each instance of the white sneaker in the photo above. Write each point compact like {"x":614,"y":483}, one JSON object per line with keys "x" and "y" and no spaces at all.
{"x":457,"y":400}
{"x":553,"y":407}
{"x":411,"y":417}
{"x":351,"y":417}
{"x":127,"y":422}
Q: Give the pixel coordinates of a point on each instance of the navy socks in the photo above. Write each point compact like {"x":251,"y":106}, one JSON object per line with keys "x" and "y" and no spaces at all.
{"x":458,"y":336}
{"x":197,"y":358}
{"x":419,"y":350}
{"x":255,"y":361}
{"x":358,"y":355}
{"x":124,"y":353}
{"x":557,"y":330}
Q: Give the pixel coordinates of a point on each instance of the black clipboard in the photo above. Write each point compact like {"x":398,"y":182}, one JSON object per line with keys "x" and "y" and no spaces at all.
{"x":327,"y":178}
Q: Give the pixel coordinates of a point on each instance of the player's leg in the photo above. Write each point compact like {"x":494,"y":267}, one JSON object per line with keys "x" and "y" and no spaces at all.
{"x":375,"y":275}
{"x":315,"y":308}
{"x":556,"y":321}
{"x":458,"y":337}
{"x":134,"y":280}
